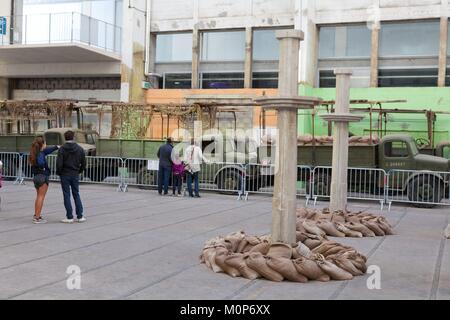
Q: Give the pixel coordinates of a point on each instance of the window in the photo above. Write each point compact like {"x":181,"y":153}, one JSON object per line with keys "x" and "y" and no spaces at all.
{"x":327,"y":79}
{"x":446,"y":152}
{"x":265,"y":45}
{"x":407,"y":77}
{"x":80,"y":137}
{"x":420,"y":38}
{"x":177,"y":81}
{"x":223,"y":46}
{"x":176,"y":47}
{"x":265,"y":80}
{"x":222,"y":80}
{"x":52,"y":139}
{"x":396,"y":149}
{"x":346,"y":41}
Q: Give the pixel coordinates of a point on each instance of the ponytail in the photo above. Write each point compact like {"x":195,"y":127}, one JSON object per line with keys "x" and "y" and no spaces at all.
{"x":36,"y":147}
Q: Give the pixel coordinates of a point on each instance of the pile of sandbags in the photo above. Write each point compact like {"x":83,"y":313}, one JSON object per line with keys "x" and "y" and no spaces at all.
{"x":251,"y":257}
{"x":321,"y":140}
{"x":447,"y":232}
{"x":340,"y":224}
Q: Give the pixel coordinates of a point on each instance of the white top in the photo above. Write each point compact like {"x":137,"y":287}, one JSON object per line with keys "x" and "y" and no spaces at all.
{"x":193,"y":158}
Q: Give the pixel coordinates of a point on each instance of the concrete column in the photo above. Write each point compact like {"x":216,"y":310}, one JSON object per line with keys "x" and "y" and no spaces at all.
{"x":284,"y":202}
{"x":4,"y":89}
{"x":248,"y":69}
{"x":341,"y":117}
{"x":374,"y":56}
{"x":443,"y":51}
{"x":195,"y":57}
{"x":133,"y":56}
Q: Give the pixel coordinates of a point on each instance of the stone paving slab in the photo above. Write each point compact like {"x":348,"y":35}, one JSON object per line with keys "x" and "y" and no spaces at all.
{"x":139,"y":245}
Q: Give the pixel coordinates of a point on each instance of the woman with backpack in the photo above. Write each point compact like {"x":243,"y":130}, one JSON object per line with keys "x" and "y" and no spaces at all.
{"x":41,"y":173}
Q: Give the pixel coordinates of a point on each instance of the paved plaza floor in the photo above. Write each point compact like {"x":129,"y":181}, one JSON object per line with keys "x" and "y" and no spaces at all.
{"x":139,"y":245}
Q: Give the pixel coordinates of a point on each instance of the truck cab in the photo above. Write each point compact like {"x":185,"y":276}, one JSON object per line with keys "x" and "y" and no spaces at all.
{"x":86,"y":139}
{"x":400,"y":152}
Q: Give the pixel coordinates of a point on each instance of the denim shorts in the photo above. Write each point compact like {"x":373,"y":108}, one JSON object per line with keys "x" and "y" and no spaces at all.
{"x":39,"y":180}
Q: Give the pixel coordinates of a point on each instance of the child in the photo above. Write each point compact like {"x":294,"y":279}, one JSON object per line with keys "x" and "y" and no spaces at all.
{"x":177,"y":173}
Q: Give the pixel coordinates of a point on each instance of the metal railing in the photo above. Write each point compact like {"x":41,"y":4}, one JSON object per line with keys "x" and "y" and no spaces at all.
{"x":53,"y":28}
{"x":260,"y":180}
{"x":362,"y":184}
{"x":424,"y":188}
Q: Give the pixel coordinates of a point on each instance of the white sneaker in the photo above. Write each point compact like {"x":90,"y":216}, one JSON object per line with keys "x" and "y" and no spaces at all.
{"x":82,"y":219}
{"x":67,"y":220}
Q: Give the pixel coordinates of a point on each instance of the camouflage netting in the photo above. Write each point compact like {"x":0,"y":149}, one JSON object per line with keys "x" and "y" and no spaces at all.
{"x":324,"y":140}
{"x":313,"y":257}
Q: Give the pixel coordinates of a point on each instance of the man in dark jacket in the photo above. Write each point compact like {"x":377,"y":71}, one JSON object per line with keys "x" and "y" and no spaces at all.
{"x":165,"y":166}
{"x":70,"y":163}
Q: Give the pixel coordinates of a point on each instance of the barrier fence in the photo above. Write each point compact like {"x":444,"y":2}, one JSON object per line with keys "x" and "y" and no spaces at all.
{"x":423,"y":188}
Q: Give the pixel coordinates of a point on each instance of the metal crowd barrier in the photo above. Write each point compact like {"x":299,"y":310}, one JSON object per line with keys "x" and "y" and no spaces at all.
{"x":425,"y":188}
{"x":261,"y":179}
{"x":12,"y":165}
{"x":362,"y":184}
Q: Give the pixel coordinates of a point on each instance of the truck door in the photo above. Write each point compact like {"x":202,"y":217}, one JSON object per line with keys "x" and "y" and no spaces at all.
{"x":396,"y":155}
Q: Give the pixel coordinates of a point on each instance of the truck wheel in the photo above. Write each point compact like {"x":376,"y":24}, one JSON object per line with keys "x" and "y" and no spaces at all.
{"x":425,"y":189}
{"x":229,"y":180}
{"x":146,"y":178}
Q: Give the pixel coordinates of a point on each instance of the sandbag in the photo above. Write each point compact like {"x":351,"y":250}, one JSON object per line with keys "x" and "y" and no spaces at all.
{"x":310,"y":269}
{"x":447,"y":232}
{"x":349,"y":233}
{"x":312,"y":228}
{"x":262,"y":248}
{"x":212,"y":262}
{"x":257,"y":262}
{"x":221,"y":255}
{"x":281,"y":250}
{"x":347,"y":265}
{"x":387,"y":229}
{"x":329,"y":228}
{"x":235,"y":239}
{"x":374,"y":227}
{"x":286,"y":268}
{"x":334,"y":271}
{"x":360,"y":228}
{"x":312,"y":243}
{"x":303,"y":250}
{"x":338,"y":216}
{"x":236,"y":260}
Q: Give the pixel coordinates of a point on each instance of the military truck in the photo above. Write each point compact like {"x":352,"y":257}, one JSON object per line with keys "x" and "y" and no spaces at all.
{"x":22,"y":143}
{"x":392,"y":152}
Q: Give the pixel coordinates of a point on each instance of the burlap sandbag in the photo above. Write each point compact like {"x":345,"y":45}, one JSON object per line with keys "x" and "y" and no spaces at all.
{"x":354,"y":139}
{"x":212,"y":261}
{"x":311,"y":227}
{"x":334,"y":271}
{"x":346,"y":265}
{"x":280,"y":250}
{"x":286,"y":268}
{"x":329,"y":228}
{"x":235,"y":239}
{"x":374,"y":227}
{"x":262,"y":248}
{"x":302,"y":212}
{"x":447,"y":232}
{"x":305,"y":139}
{"x":312,"y":243}
{"x":324,"y":246}
{"x":387,"y":229}
{"x":360,"y":228}
{"x":299,"y":226}
{"x":221,"y":255}
{"x":257,"y":262}
{"x":206,"y":256}
{"x":300,"y":236}
{"x":236,"y":260}
{"x":338,"y":216}
{"x":310,"y":269}
{"x":348,"y":233}
{"x":303,"y":250}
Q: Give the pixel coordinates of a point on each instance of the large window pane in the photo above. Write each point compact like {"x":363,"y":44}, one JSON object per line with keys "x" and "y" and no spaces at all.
{"x":265,"y":80}
{"x":222,"y":80}
{"x":409,"y":39}
{"x":177,"y":81}
{"x":174,"y":47}
{"x":223,"y":46}
{"x":327,"y":38}
{"x":408,"y":77}
{"x":344,"y":41}
{"x":265,"y":45}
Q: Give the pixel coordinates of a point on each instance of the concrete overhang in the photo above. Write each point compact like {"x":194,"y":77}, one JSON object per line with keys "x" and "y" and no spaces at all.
{"x":57,"y":60}
{"x":54,"y":53}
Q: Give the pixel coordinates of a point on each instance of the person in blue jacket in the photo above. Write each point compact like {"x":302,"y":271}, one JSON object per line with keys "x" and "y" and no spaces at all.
{"x":41,"y":173}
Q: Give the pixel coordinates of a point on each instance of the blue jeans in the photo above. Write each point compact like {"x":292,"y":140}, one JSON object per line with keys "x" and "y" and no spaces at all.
{"x":177,"y":183}
{"x":68,"y":183}
{"x":163,"y":179}
{"x":191,"y":176}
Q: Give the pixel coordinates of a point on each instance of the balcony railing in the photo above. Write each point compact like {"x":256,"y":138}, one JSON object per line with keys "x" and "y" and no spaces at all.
{"x":69,"y":27}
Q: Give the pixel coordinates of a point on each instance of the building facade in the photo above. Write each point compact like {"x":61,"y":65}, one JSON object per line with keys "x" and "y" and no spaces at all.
{"x":183,"y":50}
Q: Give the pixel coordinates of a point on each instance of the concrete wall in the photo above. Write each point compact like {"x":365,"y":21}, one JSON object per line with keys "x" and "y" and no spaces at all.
{"x":178,"y":15}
